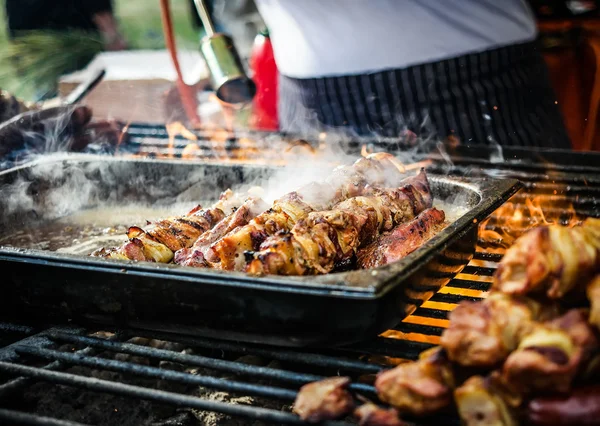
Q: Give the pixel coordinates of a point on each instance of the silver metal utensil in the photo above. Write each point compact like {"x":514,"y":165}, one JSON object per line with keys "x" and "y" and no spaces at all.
{"x":229,"y":79}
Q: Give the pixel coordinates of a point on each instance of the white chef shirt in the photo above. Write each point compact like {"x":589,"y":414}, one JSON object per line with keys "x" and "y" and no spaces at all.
{"x":317,"y":38}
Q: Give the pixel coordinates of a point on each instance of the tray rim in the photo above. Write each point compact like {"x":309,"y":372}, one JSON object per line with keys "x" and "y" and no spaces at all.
{"x":493,"y":192}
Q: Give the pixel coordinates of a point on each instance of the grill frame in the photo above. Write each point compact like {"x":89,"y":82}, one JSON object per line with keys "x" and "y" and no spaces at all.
{"x":410,"y":338}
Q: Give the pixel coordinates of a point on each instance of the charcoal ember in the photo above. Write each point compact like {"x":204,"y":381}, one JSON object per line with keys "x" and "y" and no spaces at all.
{"x":370,"y":414}
{"x":326,"y":399}
{"x":83,"y":406}
{"x":209,"y":418}
{"x":182,"y":418}
{"x":218,"y":419}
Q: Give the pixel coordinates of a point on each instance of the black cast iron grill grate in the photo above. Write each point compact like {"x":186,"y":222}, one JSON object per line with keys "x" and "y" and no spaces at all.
{"x":61,"y":356}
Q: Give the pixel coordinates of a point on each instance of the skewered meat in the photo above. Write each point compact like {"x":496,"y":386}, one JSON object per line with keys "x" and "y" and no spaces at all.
{"x":196,"y":255}
{"x":169,"y":235}
{"x":593,"y":294}
{"x":402,"y":240}
{"x":550,"y":355}
{"x":551,"y":260}
{"x":327,"y":399}
{"x":345,"y":182}
{"x":580,"y":407}
{"x":482,"y":334}
{"x":484,"y":401}
{"x":316,"y":244}
{"x":421,"y":387}
{"x":370,"y":414}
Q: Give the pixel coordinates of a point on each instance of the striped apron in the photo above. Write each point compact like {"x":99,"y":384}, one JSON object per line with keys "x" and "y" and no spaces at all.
{"x":498,"y":96}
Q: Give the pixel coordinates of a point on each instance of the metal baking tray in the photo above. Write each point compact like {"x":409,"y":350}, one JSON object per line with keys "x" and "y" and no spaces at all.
{"x":332,"y":309}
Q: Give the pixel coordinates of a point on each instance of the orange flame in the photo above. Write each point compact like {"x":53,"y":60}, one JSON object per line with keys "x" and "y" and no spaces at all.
{"x":517,"y":216}
{"x":364,"y":150}
{"x":178,"y":129}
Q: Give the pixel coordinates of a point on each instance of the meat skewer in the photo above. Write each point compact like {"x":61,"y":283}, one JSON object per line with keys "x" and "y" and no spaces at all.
{"x":345,"y":182}
{"x":420,"y":387}
{"x":483,"y":334}
{"x":593,"y":295}
{"x":370,"y":414}
{"x":316,"y":244}
{"x":551,"y":355}
{"x":196,"y":255}
{"x":553,"y":260}
{"x":486,"y":401}
{"x":402,"y":240}
{"x":169,"y":235}
{"x":580,"y":407}
{"x":328,"y":399}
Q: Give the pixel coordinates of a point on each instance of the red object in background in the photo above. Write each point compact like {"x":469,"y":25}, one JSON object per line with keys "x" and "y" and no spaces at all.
{"x":264,"y":69}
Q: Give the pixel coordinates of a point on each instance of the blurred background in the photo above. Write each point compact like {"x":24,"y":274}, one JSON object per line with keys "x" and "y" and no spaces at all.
{"x":139,"y":68}
{"x":139,"y":23}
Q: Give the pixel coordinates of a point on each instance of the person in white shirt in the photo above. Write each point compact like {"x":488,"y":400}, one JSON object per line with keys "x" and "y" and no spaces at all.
{"x":464,"y":68}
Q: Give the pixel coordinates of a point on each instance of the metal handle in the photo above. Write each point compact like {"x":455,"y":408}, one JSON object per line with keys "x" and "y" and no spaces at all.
{"x":209,"y":26}
{"x":85,"y":87}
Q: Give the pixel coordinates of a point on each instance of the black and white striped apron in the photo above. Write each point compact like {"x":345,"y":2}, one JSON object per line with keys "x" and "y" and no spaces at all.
{"x":498,"y":96}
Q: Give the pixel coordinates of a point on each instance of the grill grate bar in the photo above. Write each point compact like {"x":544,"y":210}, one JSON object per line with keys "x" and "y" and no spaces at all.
{"x":479,"y":270}
{"x":428,"y":330}
{"x":18,"y":418}
{"x":453,"y":298}
{"x":431,"y":313}
{"x":160,"y":373}
{"x":396,"y":348}
{"x":492,"y":257}
{"x":6,"y":327}
{"x":170,"y":398}
{"x":299,"y":356}
{"x":196,"y":360}
{"x":20,"y":382}
{"x":469,"y":284}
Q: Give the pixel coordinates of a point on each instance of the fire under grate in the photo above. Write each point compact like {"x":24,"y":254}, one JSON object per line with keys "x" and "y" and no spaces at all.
{"x":84,"y":375}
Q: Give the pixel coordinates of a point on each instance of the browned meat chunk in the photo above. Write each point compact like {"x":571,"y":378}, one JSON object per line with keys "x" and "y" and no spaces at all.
{"x":372,"y":415}
{"x":327,"y":399}
{"x":484,"y":401}
{"x":421,"y":387}
{"x":402,"y":240}
{"x":552,"y":260}
{"x":550,"y":355}
{"x":482,"y":334}
{"x":322,"y":240}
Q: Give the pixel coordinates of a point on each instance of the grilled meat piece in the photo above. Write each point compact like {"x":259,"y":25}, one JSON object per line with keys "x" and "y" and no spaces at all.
{"x":325,"y":238}
{"x":344,"y":182}
{"x":402,"y":240}
{"x":551,"y":354}
{"x":229,"y":250}
{"x":159,"y":243}
{"x":593,"y":294}
{"x":327,"y":399}
{"x":370,"y":414}
{"x":580,"y":407}
{"x":483,"y":334}
{"x":197,"y":254}
{"x":484,"y":401}
{"x":553,"y":260}
{"x":420,"y":387}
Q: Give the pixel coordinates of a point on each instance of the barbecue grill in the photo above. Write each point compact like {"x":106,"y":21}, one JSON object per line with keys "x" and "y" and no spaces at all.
{"x":89,"y":375}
